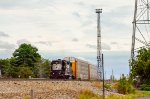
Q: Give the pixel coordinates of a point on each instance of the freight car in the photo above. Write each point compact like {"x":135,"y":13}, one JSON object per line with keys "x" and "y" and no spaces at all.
{"x":73,"y":68}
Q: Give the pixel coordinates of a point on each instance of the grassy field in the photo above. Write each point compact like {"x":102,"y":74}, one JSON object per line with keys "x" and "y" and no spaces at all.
{"x":87,"y":94}
{"x":90,"y":95}
{"x":130,"y":96}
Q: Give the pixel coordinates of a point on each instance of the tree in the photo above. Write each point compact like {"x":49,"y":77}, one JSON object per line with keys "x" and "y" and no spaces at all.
{"x":24,"y":71}
{"x":24,"y":60}
{"x":46,"y":68}
{"x":26,"y":55}
{"x":141,"y":66}
{"x":8,"y":70}
{"x":43,"y":68}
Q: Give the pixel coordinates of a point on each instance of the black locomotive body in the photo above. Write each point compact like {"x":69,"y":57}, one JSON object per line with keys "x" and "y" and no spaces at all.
{"x":61,"y":69}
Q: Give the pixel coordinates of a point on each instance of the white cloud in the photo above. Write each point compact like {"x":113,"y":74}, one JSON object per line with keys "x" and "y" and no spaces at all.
{"x":19,"y":42}
{"x":114,"y":43}
{"x":75,"y":40}
{"x":2,"y":34}
{"x":6,"y":46}
{"x":104,"y":46}
{"x":67,"y":25}
{"x":91,"y":46}
{"x":47,"y":43}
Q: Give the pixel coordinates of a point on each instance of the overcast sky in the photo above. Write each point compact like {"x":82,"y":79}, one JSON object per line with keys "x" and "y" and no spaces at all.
{"x":60,"y":28}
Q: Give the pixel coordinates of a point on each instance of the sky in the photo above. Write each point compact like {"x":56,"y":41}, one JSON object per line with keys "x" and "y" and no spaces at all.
{"x":60,"y":28}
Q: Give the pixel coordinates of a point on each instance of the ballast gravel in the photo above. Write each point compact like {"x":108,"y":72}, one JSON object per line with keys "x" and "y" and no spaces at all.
{"x":45,"y":89}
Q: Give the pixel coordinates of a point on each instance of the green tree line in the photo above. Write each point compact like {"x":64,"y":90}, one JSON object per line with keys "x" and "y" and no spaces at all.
{"x":25,"y":62}
{"x":140,"y":70}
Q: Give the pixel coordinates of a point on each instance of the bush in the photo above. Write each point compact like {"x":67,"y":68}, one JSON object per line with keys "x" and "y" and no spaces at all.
{"x":145,"y":87}
{"x":146,"y":81}
{"x":24,"y":72}
{"x":108,"y":87}
{"x":125,"y":86}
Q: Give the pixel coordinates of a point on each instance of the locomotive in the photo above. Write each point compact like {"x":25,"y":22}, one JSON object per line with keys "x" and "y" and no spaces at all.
{"x":73,"y":68}
{"x":61,"y":69}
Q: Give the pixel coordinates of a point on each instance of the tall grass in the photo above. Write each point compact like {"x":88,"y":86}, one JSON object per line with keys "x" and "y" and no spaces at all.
{"x":125,"y":86}
{"x":87,"y":94}
{"x":146,"y":93}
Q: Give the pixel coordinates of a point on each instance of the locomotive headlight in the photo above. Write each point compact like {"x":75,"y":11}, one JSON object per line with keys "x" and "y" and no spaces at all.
{"x":59,"y":72}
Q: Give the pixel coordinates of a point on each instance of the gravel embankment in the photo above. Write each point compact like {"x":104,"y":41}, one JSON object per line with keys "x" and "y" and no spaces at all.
{"x":45,"y":89}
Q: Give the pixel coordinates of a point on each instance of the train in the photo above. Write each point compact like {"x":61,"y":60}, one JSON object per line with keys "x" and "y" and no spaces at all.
{"x":73,"y":68}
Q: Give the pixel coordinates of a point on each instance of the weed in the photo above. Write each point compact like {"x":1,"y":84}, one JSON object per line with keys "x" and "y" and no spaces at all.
{"x":125,"y":86}
{"x":108,"y":87}
{"x":26,"y":97}
{"x":87,"y":94}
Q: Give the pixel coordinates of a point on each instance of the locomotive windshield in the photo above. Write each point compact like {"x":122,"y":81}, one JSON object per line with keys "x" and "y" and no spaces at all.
{"x":56,"y":65}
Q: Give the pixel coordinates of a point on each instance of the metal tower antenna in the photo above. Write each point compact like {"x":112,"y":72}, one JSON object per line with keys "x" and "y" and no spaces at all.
{"x":99,"y":53}
{"x":141,"y":27}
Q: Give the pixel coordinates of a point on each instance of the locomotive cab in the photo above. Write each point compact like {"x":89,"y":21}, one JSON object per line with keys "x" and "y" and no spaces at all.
{"x":60,"y":69}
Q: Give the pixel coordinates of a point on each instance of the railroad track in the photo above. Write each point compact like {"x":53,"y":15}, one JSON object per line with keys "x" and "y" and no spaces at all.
{"x":34,"y":79}
{"x":38,"y":79}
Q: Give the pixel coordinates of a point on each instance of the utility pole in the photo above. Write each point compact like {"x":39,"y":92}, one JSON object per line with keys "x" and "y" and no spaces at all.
{"x":141,"y":28}
{"x":103,"y":77}
{"x":99,"y":53}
